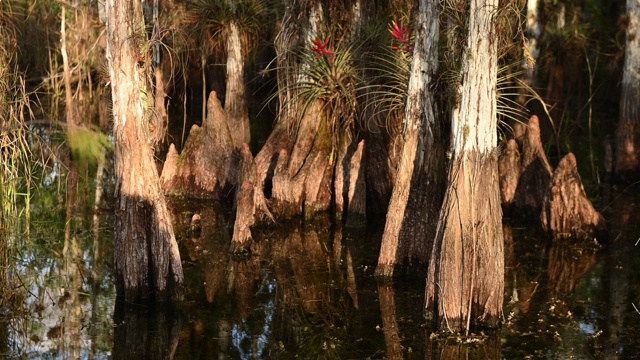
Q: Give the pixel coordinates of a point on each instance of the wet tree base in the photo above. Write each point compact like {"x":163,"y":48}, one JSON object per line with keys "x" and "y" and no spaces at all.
{"x":528,"y":186}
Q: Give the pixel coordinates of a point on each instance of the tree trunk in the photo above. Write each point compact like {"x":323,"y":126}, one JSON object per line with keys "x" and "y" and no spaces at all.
{"x":418,"y":191}
{"x":567,"y":212}
{"x":160,"y":116}
{"x":535,"y":171}
{"x":147,"y":261}
{"x":465,"y":279}
{"x":531,"y":51}
{"x":356,"y":201}
{"x":235,"y":101}
{"x":295,"y":167}
{"x":161,"y":67}
{"x":509,"y":170}
{"x":627,"y":162}
{"x":208,"y":165}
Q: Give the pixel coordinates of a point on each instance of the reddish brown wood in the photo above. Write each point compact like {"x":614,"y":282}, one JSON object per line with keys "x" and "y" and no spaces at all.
{"x":465,"y":285}
{"x":250,"y":203}
{"x":567,"y":212}
{"x":146,"y":257}
{"x":357,"y":191}
{"x":208,"y":164}
{"x":509,"y":172}
{"x":535,"y":171}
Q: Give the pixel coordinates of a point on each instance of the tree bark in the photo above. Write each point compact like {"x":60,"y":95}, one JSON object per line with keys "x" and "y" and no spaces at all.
{"x":510,"y":171}
{"x":235,"y":101}
{"x":147,"y":261}
{"x":627,"y":161}
{"x":295,"y":168}
{"x":567,"y":212}
{"x":531,"y":52}
{"x":535,"y":171}
{"x":356,"y":201}
{"x":465,"y":279}
{"x":209,"y":163}
{"x":419,"y":188}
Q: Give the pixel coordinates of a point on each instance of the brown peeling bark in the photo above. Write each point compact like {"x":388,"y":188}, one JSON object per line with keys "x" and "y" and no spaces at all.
{"x":208,"y":164}
{"x":146,"y":257}
{"x":465,"y":279}
{"x":466,"y":284}
{"x":419,"y":187}
{"x":357,"y":192}
{"x":509,"y":172}
{"x":340,"y":189}
{"x":295,"y":168}
{"x":535,"y":171}
{"x":567,"y":212}
{"x":250,"y":203}
{"x":236,"y":102}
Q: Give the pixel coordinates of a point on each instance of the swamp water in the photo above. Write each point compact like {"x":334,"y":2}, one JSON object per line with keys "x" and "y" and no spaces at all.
{"x":309,"y":292}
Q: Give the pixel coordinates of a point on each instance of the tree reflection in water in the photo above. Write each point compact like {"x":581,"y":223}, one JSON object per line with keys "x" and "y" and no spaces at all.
{"x":307,"y":290}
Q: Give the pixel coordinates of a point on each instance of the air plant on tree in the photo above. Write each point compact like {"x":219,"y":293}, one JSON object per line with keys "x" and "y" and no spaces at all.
{"x":402,"y":34}
{"x":329,"y":75}
{"x":387,"y":64}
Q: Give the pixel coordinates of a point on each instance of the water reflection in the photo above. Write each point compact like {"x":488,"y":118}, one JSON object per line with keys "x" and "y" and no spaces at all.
{"x":145,"y":332}
{"x":389,"y":321}
{"x":307,"y":290}
{"x":573,"y":300}
{"x":60,"y":313}
{"x":619,"y":286}
{"x":542,"y":277}
{"x":475,"y":348}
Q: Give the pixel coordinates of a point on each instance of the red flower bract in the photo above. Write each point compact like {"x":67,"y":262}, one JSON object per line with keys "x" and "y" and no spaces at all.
{"x":320,"y":48}
{"x":401,"y":33}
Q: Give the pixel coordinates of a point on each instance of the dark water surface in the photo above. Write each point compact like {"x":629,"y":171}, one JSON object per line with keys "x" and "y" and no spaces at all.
{"x":308,"y":291}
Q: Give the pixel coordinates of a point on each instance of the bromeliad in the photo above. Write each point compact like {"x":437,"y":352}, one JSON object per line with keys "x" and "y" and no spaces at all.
{"x":401,"y":33}
{"x":320,"y":48}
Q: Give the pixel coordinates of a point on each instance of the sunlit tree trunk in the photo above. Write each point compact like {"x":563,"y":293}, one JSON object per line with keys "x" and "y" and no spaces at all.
{"x":419,"y":188}
{"x":236,"y":103}
{"x":465,"y":280}
{"x":66,"y":73}
{"x":296,"y":163}
{"x":532,"y":31}
{"x":627,"y":161}
{"x":161,"y":66}
{"x":147,"y":261}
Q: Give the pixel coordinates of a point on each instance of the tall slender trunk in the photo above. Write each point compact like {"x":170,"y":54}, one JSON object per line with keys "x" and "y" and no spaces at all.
{"x":161,"y":73}
{"x":236,"y":103}
{"x":66,"y":72}
{"x":147,"y":261}
{"x":465,"y":280}
{"x":418,"y":191}
{"x":531,"y":50}
{"x":627,"y":161}
{"x":72,"y":175}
